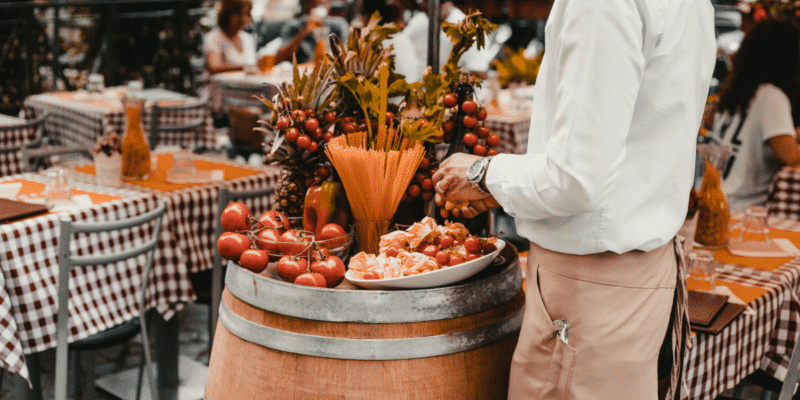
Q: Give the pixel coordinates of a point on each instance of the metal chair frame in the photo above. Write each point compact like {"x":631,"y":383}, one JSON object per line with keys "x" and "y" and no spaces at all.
{"x":226,"y":195}
{"x":68,"y":261}
{"x":195,"y":125}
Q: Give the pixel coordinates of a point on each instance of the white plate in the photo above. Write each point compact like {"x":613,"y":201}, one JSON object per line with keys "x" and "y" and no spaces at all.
{"x":440,"y":277}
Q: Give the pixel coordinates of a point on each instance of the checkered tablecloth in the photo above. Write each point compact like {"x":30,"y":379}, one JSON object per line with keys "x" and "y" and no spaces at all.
{"x":191,"y":212}
{"x":783,"y":200}
{"x":100,"y":297}
{"x":76,"y":118}
{"x":513,"y":129}
{"x":761,"y":339}
{"x":254,"y":81}
{"x":12,"y":163}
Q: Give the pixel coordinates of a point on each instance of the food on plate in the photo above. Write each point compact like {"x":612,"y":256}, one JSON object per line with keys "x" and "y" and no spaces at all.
{"x":415,"y":250}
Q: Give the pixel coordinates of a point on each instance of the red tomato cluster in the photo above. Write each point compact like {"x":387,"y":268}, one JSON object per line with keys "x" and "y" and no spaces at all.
{"x":254,"y":242}
{"x":422,"y":184}
{"x":305,"y":130}
{"x":477,"y":136}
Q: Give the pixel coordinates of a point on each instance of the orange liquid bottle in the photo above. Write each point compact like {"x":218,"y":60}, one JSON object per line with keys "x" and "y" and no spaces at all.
{"x":135,"y":148}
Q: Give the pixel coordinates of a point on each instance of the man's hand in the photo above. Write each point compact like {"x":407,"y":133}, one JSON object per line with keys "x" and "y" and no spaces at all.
{"x":451,"y":184}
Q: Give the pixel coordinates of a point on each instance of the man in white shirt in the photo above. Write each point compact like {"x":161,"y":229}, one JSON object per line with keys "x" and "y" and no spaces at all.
{"x":601,"y":194}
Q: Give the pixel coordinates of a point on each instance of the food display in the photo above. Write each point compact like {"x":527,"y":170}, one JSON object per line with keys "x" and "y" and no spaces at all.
{"x":424,"y":247}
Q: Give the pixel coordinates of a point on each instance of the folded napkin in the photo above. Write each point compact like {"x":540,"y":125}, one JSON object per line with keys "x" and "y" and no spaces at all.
{"x":732,"y":298}
{"x":75,"y":202}
{"x":10,"y":190}
{"x":778,"y":247}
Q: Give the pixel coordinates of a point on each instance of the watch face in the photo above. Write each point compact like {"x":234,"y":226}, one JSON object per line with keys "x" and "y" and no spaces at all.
{"x":474,"y":170}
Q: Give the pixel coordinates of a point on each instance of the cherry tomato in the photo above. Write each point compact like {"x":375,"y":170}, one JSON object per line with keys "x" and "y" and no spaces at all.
{"x":446,"y":242}
{"x":235,"y":217}
{"x":312,"y":147}
{"x":470,"y":121}
{"x":392,"y":252}
{"x":311,"y":124}
{"x":472,"y":244}
{"x":479,"y":150}
{"x":443,"y":258}
{"x":448,"y":126}
{"x":483,"y":132}
{"x":303,"y":141}
{"x":292,"y":134}
{"x":491,"y":152}
{"x":482,"y":114}
{"x":430,"y":250}
{"x":493,"y":140}
{"x":330,"y":116}
{"x":414,"y":190}
{"x":470,"y":139}
{"x":426,"y":184}
{"x":469,"y":107}
{"x":449,"y":101}
{"x":255,"y":260}
{"x":282,"y":123}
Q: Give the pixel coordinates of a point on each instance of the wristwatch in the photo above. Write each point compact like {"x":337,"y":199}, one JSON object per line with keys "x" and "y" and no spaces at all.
{"x":477,"y":171}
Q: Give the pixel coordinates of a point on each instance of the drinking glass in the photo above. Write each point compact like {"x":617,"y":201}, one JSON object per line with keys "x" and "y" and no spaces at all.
{"x":95,"y":84}
{"x":57,"y":189}
{"x":702,"y":267}
{"x":754,"y":225}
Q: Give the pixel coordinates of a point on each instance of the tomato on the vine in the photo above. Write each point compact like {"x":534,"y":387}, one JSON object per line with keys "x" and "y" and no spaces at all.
{"x":282,"y":123}
{"x":449,"y":100}
{"x":470,"y":121}
{"x":479,"y":150}
{"x":303,"y":141}
{"x":235,"y":217}
{"x":469,"y":107}
{"x":493,"y":140}
{"x":292,"y":134}
{"x":311,"y":124}
{"x":483,"y":131}
{"x":470,"y":139}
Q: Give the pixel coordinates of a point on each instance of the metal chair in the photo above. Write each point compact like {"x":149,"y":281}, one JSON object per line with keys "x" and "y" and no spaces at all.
{"x":244,"y":111}
{"x":121,"y":333}
{"x":179,"y":111}
{"x":15,"y":138}
{"x":226,"y":195}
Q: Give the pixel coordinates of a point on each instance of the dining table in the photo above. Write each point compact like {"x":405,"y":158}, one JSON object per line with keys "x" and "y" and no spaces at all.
{"x":764,"y":335}
{"x":28,"y":259}
{"x":80,"y":117}
{"x":249,"y":81}
{"x":783,"y":196}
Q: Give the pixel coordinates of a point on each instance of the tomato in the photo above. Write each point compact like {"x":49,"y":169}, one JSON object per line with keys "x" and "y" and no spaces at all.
{"x":303,"y":141}
{"x":493,"y":140}
{"x":371,"y":275}
{"x":294,"y":242}
{"x":448,"y":126}
{"x":479,"y":150}
{"x":469,"y":107}
{"x":472,"y":244}
{"x":290,"y":267}
{"x":482,"y":114}
{"x":311,"y":124}
{"x":446,"y":242}
{"x":443,"y":258}
{"x":470,"y":121}
{"x":292,"y":134}
{"x":332,"y":268}
{"x":323,"y":173}
{"x":282,"y":123}
{"x":473,"y":256}
{"x":392,"y":252}
{"x":483,"y":131}
{"x":425,"y":163}
{"x":426,"y":196}
{"x":235,"y":217}
{"x":491,"y":152}
{"x":332,"y":236}
{"x":269,"y":239}
{"x":449,"y":100}
{"x":274,"y":219}
{"x":311,"y":279}
{"x":389,"y":117}
{"x":330,"y":116}
{"x":231,"y":245}
{"x":470,"y":139}
{"x":426,"y":184}
{"x":413,"y":190}
{"x":455,"y":260}
{"x":298,"y":115}
{"x":255,"y":260}
{"x":430,"y":250}
{"x":312,"y":147}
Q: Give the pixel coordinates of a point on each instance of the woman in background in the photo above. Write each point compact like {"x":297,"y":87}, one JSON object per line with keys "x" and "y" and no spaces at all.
{"x":228,"y":47}
{"x":754,"y":114}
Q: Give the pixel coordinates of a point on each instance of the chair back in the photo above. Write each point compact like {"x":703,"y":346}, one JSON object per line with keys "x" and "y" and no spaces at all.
{"x":792,"y":373}
{"x":244,"y":95}
{"x":15,"y":138}
{"x":226,"y":195}
{"x":66,"y":261}
{"x":179,"y":123}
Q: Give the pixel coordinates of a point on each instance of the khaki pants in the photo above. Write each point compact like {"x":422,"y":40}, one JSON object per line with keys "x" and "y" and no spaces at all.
{"x":618,"y":309}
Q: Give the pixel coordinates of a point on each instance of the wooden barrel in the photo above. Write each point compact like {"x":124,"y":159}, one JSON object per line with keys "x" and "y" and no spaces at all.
{"x":283,"y":341}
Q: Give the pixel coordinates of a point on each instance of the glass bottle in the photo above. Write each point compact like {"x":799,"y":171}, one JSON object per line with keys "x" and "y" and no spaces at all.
{"x":135,"y":148}
{"x":713,"y":212}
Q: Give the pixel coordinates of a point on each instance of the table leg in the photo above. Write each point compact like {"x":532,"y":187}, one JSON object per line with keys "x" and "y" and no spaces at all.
{"x":21,"y":390}
{"x":166,"y":338}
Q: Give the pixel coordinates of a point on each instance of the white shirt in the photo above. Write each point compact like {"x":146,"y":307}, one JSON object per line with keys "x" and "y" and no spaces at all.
{"x":215,"y":40}
{"x":752,"y":164}
{"x":417,"y":30}
{"x":405,"y":56}
{"x":616,"y":111}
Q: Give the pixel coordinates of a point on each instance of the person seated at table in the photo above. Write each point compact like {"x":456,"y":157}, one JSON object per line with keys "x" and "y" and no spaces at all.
{"x":299,"y":36}
{"x":405,"y":60}
{"x":754,"y":113}
{"x":228,"y":47}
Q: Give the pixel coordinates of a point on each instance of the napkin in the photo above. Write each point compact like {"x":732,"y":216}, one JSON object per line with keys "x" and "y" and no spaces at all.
{"x":778,"y":247}
{"x":10,"y":190}
{"x":732,"y":298}
{"x":77,"y":201}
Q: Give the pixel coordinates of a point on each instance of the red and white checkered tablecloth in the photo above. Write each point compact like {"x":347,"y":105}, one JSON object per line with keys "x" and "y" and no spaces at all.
{"x":764,"y":339}
{"x":100,"y":297}
{"x":783,"y":199}
{"x":513,"y":129}
{"x":76,"y":118}
{"x":11,"y":163}
{"x":251,"y":81}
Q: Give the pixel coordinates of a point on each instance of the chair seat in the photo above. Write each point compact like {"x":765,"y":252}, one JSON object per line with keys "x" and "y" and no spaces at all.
{"x":117,"y":335}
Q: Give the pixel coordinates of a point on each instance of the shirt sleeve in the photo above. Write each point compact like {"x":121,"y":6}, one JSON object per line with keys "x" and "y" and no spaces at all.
{"x":598,"y":68}
{"x":774,"y":111}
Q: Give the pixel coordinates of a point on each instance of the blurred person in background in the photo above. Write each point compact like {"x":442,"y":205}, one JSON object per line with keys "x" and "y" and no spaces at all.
{"x":754,"y":112}
{"x":228,"y":47}
{"x":300,"y":35}
{"x":405,"y":60}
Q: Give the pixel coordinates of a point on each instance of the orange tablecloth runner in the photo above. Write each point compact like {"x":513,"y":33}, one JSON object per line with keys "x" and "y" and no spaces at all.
{"x":762,"y":263}
{"x":158,"y":179}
